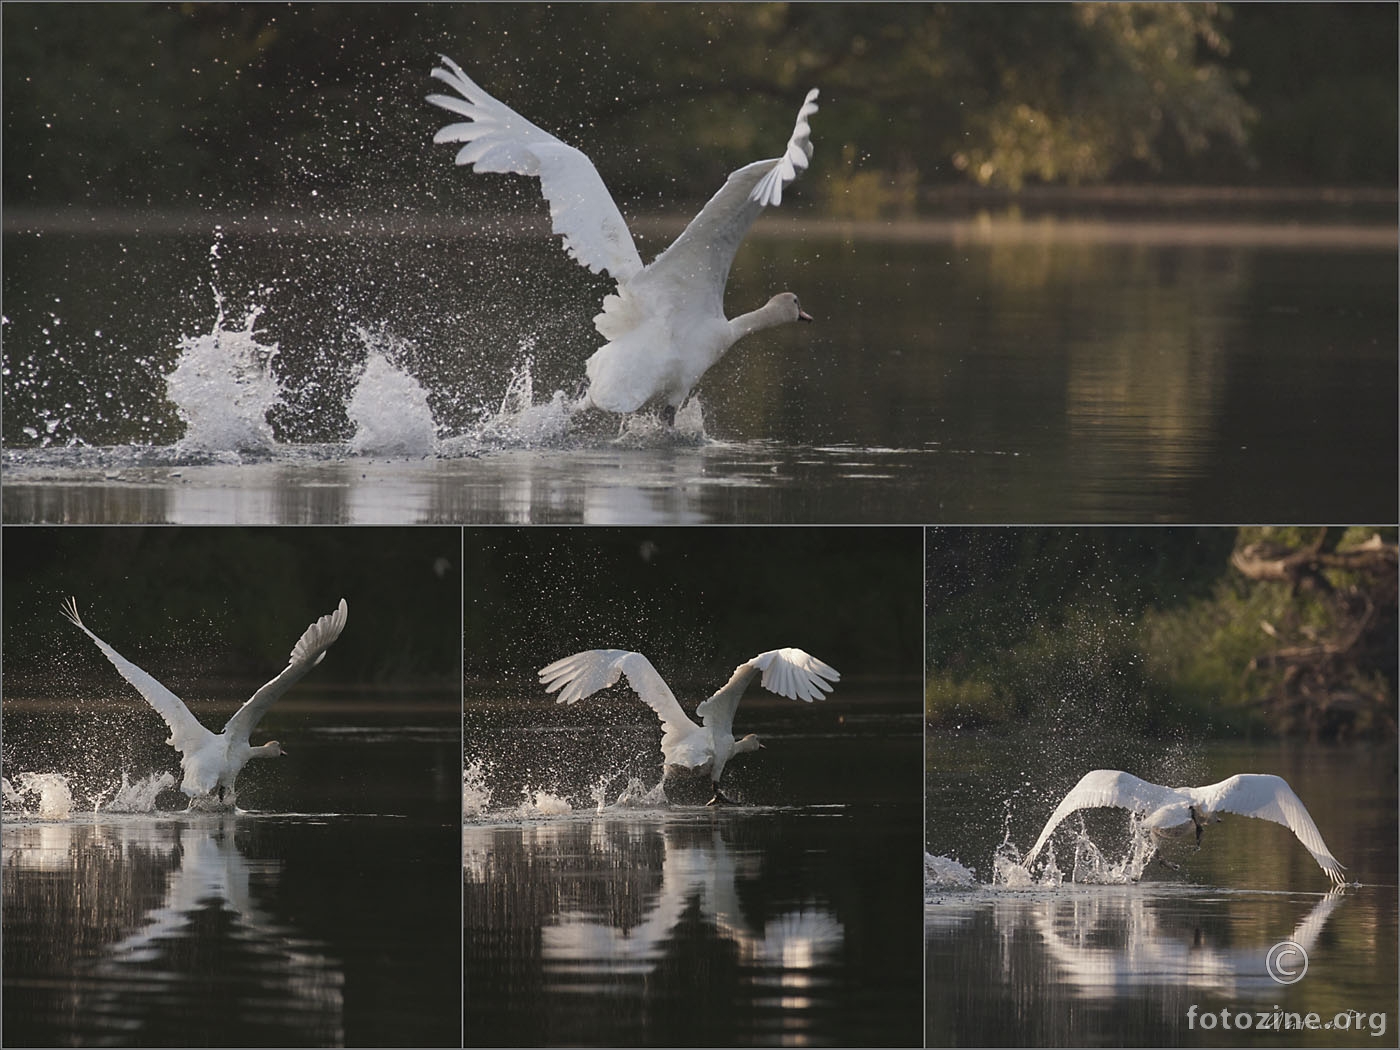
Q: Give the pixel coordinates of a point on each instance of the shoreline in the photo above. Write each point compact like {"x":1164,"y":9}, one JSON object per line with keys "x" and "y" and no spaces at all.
{"x":1014,"y":226}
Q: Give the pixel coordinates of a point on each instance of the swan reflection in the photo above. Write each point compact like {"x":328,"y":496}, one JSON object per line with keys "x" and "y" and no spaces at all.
{"x":172,"y":901}
{"x":619,"y":891}
{"x":1104,"y":942}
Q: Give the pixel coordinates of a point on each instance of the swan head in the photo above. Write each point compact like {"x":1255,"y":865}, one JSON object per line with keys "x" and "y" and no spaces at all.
{"x":785,"y":304}
{"x":272,"y":749}
{"x":747,"y":743}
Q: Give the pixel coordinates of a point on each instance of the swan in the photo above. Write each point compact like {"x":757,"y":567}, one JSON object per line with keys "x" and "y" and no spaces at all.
{"x":212,"y":761}
{"x":787,"y":672}
{"x":1175,"y":812}
{"x":665,"y":326}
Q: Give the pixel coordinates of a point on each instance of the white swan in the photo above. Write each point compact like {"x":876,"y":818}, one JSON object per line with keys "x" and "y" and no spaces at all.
{"x":1173,"y":812}
{"x":665,"y":326}
{"x":212,"y":761}
{"x":787,"y":672}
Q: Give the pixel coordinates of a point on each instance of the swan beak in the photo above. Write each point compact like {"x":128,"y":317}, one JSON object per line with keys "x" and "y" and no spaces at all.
{"x":761,"y":745}
{"x":803,"y":315}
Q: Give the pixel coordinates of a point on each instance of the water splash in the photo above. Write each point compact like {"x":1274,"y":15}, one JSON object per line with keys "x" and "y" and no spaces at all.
{"x":476,"y":793}
{"x":389,"y":407}
{"x":542,"y":803}
{"x":51,"y":790}
{"x":944,"y":872}
{"x":521,"y":423}
{"x":1087,"y":862}
{"x":139,"y":797}
{"x":223,"y":386}
{"x":635,"y":794}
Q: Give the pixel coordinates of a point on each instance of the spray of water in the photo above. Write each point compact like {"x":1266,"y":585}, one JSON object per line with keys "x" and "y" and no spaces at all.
{"x":223,"y":387}
{"x":476,"y":793}
{"x":389,"y":407}
{"x":945,"y":872}
{"x":48,"y":793}
{"x":139,"y":797}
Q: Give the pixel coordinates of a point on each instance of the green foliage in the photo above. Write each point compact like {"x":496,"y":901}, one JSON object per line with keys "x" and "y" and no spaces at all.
{"x":1141,"y":630}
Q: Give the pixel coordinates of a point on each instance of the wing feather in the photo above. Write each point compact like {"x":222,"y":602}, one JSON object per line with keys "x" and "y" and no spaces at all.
{"x":309,"y":651}
{"x":1269,"y":797}
{"x":583,"y":674}
{"x":706,"y":248}
{"x":1109,"y":787}
{"x":186,"y":732}
{"x":498,"y":139}
{"x":792,"y":673}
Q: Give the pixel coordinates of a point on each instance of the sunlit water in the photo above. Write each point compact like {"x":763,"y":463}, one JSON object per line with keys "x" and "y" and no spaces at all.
{"x":322,"y":915}
{"x":598,"y":911}
{"x":1102,"y":945}
{"x":956,"y":374}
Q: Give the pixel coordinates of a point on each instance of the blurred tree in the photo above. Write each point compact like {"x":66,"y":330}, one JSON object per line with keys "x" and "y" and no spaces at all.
{"x":322,"y":104}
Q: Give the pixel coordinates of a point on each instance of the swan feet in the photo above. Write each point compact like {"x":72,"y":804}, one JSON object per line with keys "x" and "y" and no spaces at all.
{"x":720,"y":799}
{"x":1168,"y":864}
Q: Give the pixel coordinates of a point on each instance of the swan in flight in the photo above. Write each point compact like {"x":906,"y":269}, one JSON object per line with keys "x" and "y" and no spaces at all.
{"x":787,"y":672}
{"x":1175,"y":812}
{"x":211,"y":761}
{"x":665,"y":326}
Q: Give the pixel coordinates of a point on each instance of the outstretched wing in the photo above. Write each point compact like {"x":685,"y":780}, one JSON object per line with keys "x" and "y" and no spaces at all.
{"x":186,"y":734}
{"x":701,"y":256}
{"x":584,"y":674}
{"x":788,"y":672}
{"x":309,"y":651}
{"x":498,"y":139}
{"x":1109,"y":787}
{"x":1269,"y":797}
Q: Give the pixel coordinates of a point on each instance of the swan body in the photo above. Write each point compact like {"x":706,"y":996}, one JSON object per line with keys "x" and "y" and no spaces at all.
{"x":665,"y":325}
{"x":710,"y":745}
{"x":1177,"y":812}
{"x":212,"y":761}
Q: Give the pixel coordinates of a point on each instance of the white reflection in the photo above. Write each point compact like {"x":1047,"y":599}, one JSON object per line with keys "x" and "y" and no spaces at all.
{"x":701,"y":870}
{"x":115,"y":871}
{"x":1104,"y":944}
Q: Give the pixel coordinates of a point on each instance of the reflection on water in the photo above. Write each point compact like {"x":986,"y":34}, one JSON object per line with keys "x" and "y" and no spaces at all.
{"x":131,"y":950}
{"x":1052,"y":376}
{"x":597,"y":913}
{"x":154,"y":930}
{"x":686,"y":926}
{"x":1121,"y":965}
{"x":328,"y":918}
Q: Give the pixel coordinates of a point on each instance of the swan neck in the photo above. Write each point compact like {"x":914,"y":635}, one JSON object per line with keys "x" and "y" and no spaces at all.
{"x":757,"y":320}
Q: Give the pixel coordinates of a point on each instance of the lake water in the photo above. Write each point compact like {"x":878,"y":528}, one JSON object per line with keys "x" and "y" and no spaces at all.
{"x":1138,"y":963}
{"x":998,"y":369}
{"x":325,"y":915}
{"x":598,"y":913}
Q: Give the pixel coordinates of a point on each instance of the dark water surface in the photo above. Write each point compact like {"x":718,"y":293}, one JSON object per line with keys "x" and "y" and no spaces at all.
{"x":1124,"y":965}
{"x":790,"y":919}
{"x":1000,"y":370}
{"x":325,"y":916}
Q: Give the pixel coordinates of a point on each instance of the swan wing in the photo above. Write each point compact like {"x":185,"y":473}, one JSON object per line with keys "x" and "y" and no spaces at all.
{"x":309,"y":651}
{"x":701,"y":256}
{"x":186,"y":733}
{"x":1110,"y":787}
{"x":1269,"y":797}
{"x":792,"y":673}
{"x":498,"y":139}
{"x":584,"y":674}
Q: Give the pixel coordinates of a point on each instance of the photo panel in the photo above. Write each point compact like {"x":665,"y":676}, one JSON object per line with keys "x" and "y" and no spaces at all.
{"x":230,"y":777}
{"x":615,"y":893}
{"x":1160,"y":786}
